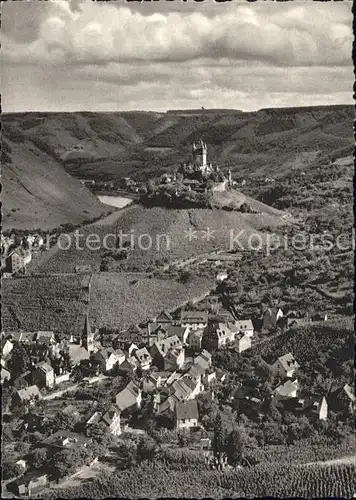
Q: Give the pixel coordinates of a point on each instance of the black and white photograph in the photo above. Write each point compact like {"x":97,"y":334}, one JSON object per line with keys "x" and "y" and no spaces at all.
{"x":177,"y":249}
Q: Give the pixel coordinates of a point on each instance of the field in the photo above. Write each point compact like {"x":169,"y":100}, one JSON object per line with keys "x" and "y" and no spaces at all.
{"x":118,"y":300}
{"x":57,"y":303}
{"x":168,"y":238}
{"x":155,"y":480}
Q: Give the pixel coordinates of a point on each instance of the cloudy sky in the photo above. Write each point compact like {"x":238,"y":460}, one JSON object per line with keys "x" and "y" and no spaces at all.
{"x":67,"y":55}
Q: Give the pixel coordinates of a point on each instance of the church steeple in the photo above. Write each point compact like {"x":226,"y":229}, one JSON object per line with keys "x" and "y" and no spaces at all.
{"x":87,"y":335}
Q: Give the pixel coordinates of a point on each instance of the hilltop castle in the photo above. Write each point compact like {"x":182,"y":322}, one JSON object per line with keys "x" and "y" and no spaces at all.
{"x":199,"y":161}
{"x":200,"y":155}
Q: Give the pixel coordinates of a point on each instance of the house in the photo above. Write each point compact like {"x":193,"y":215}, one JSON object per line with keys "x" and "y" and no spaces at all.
{"x":176,"y":330}
{"x":245,"y":326}
{"x":28,"y":485}
{"x":133,"y":335}
{"x":109,"y":358}
{"x":317,"y":406}
{"x":77,"y":353}
{"x":6,"y":347}
{"x":287,"y":390}
{"x":196,"y":371}
{"x":160,"y":349}
{"x":33,"y":421}
{"x":187,"y":415}
{"x":286,"y":366}
{"x":319,"y":317}
{"x":43,"y":375}
{"x":129,"y":365}
{"x":342,"y":399}
{"x":209,"y":378}
{"x":181,"y":390}
{"x":112,"y":419}
{"x":150,"y":383}
{"x":129,"y":399}
{"x":144,"y":358}
{"x":194,"y":339}
{"x":271,"y":317}
{"x":155,"y":380}
{"x":44,"y":337}
{"x":243,"y":397}
{"x":243,"y":342}
{"x":22,"y":381}
{"x":217,"y":334}
{"x":27,"y":395}
{"x":64,"y":439}
{"x":203,"y":359}
{"x":131,"y":348}
{"x":222,"y":276}
{"x":194,"y":320}
{"x":94,"y":419}
{"x":166,"y":408}
{"x":155,"y":332}
{"x":174,"y":359}
{"x":164,"y":318}
{"x":5,"y":375}
{"x":22,"y":337}
{"x":195,"y":386}
{"x":18,"y":259}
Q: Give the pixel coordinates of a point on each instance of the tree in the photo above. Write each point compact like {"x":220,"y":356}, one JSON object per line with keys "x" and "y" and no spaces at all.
{"x":63,"y":421}
{"x":185,"y":276}
{"x":65,"y":462}
{"x":218,"y":443}
{"x":235,"y":446}
{"x":146,"y":448}
{"x":20,"y":360}
{"x":97,"y":431}
{"x":11,"y":470}
{"x":127,"y":454}
{"x":39,"y":457}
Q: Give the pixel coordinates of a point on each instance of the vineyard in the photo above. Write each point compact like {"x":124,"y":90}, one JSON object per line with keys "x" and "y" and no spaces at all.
{"x":56,"y":303}
{"x":118,"y":300}
{"x":281,"y":481}
{"x":307,"y":342}
{"x":158,"y":235}
{"x":155,"y":480}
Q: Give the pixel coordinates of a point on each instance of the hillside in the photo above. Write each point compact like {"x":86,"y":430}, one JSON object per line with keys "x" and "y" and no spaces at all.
{"x":142,"y":144}
{"x":37,"y":191}
{"x":165,"y":237}
{"x":67,"y":300}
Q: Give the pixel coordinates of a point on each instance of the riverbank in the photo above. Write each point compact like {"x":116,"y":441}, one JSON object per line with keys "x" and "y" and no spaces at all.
{"x":115,"y":201}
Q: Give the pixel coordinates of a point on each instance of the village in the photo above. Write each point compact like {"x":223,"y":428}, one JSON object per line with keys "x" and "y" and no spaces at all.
{"x":166,"y":368}
{"x":172,"y":375}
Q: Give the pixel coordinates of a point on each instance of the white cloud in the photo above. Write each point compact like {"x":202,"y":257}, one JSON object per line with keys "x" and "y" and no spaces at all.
{"x":142,"y":55}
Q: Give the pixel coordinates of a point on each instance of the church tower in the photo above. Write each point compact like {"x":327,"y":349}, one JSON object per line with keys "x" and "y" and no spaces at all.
{"x":200,"y":152}
{"x":87,"y":335}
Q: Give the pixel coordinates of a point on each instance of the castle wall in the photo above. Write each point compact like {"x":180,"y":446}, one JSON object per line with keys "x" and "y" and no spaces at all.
{"x":219,"y":187}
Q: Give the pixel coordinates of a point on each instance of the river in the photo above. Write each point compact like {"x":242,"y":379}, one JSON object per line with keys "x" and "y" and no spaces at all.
{"x":115,"y":201}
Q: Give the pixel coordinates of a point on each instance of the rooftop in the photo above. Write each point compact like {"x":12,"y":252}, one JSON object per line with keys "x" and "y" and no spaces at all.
{"x":187,"y":410}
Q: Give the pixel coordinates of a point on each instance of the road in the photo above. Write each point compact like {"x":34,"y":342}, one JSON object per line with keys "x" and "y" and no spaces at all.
{"x":60,"y":393}
{"x":347,"y":460}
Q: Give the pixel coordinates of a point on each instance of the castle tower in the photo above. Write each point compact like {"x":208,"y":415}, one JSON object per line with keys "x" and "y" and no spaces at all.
{"x":200,"y":151}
